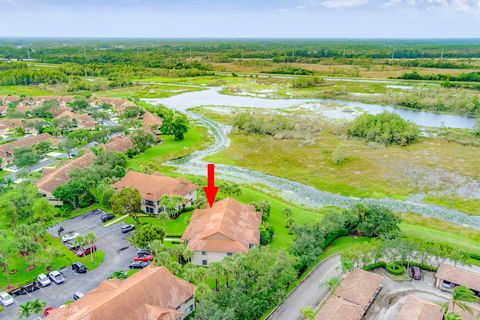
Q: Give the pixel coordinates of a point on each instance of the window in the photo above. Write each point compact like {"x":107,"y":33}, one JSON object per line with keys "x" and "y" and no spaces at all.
{"x":150,"y":210}
{"x":204,"y":253}
{"x":251,"y":245}
{"x":204,"y":262}
{"x":190,"y":309}
{"x":229,"y":254}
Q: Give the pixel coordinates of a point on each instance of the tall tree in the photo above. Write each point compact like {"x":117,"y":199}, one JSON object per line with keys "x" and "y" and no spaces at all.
{"x":127,"y":201}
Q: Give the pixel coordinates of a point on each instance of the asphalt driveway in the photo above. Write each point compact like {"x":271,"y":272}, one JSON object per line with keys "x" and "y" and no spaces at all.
{"x":118,"y":254}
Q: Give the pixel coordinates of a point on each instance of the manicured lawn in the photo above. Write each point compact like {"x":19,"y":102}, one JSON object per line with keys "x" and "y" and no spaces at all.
{"x":65,"y":258}
{"x":195,"y":139}
{"x":457,"y":240}
{"x":173,"y":227}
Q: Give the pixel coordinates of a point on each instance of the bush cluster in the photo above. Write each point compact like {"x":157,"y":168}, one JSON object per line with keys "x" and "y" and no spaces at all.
{"x":395,"y":268}
{"x":386,"y":128}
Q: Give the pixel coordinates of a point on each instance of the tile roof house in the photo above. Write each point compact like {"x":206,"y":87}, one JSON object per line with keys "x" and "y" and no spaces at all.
{"x":53,"y":178}
{"x":153,"y":186}
{"x":119,"y":144}
{"x":151,"y":122}
{"x":336,"y":308}
{"x":358,"y":288}
{"x":447,"y":273}
{"x":7,"y":125}
{"x":7,"y":149}
{"x":151,"y":294}
{"x":83,"y":119}
{"x":226,"y":228}
{"x":417,"y":309}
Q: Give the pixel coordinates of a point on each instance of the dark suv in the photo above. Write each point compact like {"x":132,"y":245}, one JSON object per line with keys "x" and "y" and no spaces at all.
{"x":107,"y":217}
{"x":78,"y":267}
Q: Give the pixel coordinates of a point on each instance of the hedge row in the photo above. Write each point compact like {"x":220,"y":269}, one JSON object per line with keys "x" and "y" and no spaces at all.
{"x":383,"y":264}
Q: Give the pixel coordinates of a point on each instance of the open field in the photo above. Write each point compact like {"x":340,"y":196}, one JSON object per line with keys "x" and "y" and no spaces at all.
{"x":368,"y":171}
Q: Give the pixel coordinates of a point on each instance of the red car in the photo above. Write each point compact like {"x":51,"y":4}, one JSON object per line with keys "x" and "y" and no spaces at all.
{"x":47,"y":311}
{"x":81,"y":252}
{"x":143,"y":258}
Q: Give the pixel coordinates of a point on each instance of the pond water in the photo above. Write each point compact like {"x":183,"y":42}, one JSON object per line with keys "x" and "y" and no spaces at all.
{"x":212,"y":97}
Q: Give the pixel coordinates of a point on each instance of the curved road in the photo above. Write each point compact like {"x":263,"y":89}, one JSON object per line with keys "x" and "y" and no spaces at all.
{"x":310,"y":292}
{"x":291,"y":190}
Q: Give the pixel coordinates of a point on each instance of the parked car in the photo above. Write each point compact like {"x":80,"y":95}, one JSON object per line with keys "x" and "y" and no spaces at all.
{"x":416,"y":273}
{"x":43,"y":280}
{"x":447,"y":284}
{"x":78,"y":267}
{"x":138,"y":264}
{"x":84,"y":251}
{"x":56,"y":277}
{"x":77,"y":295}
{"x":144,"y":258}
{"x":70,"y":236}
{"x":142,"y":252}
{"x":127,"y":228}
{"x":6,"y":299}
{"x":31,"y":287}
{"x":47,"y":311}
{"x":107,"y":217}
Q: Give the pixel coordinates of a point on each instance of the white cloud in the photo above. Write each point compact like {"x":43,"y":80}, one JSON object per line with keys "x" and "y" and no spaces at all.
{"x":432,"y":5}
{"x":335,"y":4}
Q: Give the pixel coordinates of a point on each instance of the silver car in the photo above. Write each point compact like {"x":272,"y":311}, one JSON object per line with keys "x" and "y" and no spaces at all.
{"x":56,"y":277}
{"x":43,"y":280}
{"x":6,"y":299}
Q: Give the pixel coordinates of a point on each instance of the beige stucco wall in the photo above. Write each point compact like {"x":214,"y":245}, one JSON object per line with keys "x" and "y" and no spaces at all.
{"x":210,"y":257}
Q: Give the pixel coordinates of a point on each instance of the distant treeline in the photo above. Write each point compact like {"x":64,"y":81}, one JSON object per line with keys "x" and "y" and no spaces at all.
{"x":153,"y":52}
{"x":463,"y":77}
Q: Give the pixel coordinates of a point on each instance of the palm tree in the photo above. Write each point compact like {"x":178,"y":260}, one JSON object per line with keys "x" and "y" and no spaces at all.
{"x":308,"y":313}
{"x":333,"y":284}
{"x":452,"y":316}
{"x":215,"y":269}
{"x":25,"y":310}
{"x":228,"y":265}
{"x":460,"y":296}
{"x":36,"y":306}
{"x":91,"y":239}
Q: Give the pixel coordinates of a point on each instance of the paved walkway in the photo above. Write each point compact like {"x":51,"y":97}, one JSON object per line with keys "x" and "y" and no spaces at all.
{"x":310,"y":292}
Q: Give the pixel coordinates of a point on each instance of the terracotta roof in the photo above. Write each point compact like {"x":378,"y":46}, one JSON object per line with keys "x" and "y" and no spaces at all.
{"x":152,"y":293}
{"x":55,"y":178}
{"x":336,"y":308}
{"x":7,"y":148}
{"x":229,"y":226}
{"x":8,"y":99}
{"x":154,"y":186}
{"x":473,"y":314}
{"x":83,"y":119}
{"x":459,"y":276}
{"x":13,"y":123}
{"x":119,"y":144}
{"x":417,"y":309}
{"x":355,"y":294}
{"x":360,"y":287}
{"x":149,"y":120}
{"x":59,"y":110}
{"x":24,"y":108}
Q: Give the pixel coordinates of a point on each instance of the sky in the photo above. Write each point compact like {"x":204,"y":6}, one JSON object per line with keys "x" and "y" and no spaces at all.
{"x":241,"y":18}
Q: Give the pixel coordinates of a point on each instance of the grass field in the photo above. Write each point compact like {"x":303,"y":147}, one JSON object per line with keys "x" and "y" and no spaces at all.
{"x":195,"y":139}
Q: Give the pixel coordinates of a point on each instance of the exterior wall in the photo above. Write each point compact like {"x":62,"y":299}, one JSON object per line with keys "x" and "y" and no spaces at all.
{"x":157,"y":208}
{"x":187,"y":308}
{"x":210,"y":257}
{"x":51,"y":198}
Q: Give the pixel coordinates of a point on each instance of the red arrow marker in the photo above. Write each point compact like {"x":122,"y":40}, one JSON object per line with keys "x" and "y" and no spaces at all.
{"x":210,"y":189}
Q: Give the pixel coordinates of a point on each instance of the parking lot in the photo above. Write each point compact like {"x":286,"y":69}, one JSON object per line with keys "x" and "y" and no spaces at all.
{"x":394,"y":293}
{"x":118,"y":254}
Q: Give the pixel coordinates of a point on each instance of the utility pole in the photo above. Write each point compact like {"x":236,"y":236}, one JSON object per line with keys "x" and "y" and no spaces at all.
{"x":85,"y":53}
{"x":441,"y":55}
{"x":28,"y":53}
{"x":190,"y":53}
{"x":393,"y":53}
{"x":343,"y":53}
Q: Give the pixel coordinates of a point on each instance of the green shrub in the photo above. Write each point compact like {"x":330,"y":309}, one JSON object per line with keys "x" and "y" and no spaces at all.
{"x":386,"y":128}
{"x":375,"y":265}
{"x":1,"y":308}
{"x":395,"y":268}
